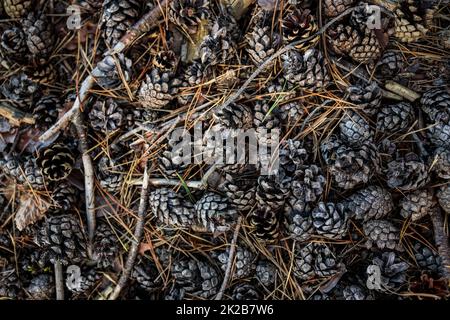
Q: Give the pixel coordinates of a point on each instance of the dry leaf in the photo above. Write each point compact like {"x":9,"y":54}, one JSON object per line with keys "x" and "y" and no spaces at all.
{"x":31,"y":209}
{"x":144,"y":247}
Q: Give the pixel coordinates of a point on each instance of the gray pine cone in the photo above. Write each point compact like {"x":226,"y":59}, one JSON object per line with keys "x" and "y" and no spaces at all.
{"x":373,"y":202}
{"x":215,"y":212}
{"x":416,"y":204}
{"x":382,"y":234}
{"x":330,"y":220}
{"x":171,"y":208}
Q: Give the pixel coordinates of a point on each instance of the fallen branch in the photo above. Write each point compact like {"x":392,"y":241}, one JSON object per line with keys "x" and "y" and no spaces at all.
{"x":15,"y":116}
{"x":230,"y":261}
{"x":138,"y":232}
{"x":402,"y":91}
{"x":89,"y":177}
{"x":441,"y":241}
{"x":140,"y":27}
{"x":282,"y":50}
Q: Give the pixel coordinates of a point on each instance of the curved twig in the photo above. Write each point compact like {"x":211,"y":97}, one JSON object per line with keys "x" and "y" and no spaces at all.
{"x":441,"y":241}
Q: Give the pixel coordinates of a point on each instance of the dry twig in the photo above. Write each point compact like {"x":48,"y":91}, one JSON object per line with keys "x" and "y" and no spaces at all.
{"x":441,"y":241}
{"x":138,"y":232}
{"x":226,"y":278}
{"x":15,"y":116}
{"x":89,"y":177}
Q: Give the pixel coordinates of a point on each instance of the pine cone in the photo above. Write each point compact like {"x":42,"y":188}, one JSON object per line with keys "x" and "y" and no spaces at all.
{"x":407,"y":174}
{"x":292,"y":156}
{"x":17,"y":8}
{"x":173,"y":160}
{"x":13,"y":45}
{"x":235,"y":116}
{"x":390,"y":65}
{"x":46,"y":112}
{"x":110,"y":174}
{"x":158,"y":89}
{"x":427,"y":259}
{"x":244,"y":263}
{"x":65,"y":196}
{"x":373,"y":202}
{"x":355,"y":292}
{"x":20,"y":89}
{"x":436,"y":104}
{"x":245,"y":292}
{"x":61,"y":239}
{"x":216,"y":47}
{"x":315,"y":259}
{"x":171,"y":208}
{"x":266,"y":273}
{"x":147,"y":275}
{"x":416,"y":204}
{"x":24,"y":171}
{"x":10,"y":285}
{"x":105,"y":246}
{"x":330,"y":220}
{"x":360,"y":44}
{"x":300,"y":25}
{"x":106,"y":74}
{"x":265,"y":223}
{"x":298,"y":223}
{"x":439,"y":134}
{"x":333,"y":8}
{"x":41,"y":287}
{"x":240,"y":190}
{"x":350,"y":165}
{"x":196,"y":73}
{"x":117,"y":17}
{"x":393,"y":271}
{"x":354,"y":128}
{"x":271,"y":192}
{"x":215,"y":212}
{"x":382,"y":234}
{"x":188,"y":14}
{"x":412,"y":19}
{"x":166,"y":61}
{"x":43,"y":74}
{"x":56,"y":162}
{"x":367,"y":97}
{"x":106,"y":115}
{"x":440,"y":163}
{"x":264,"y":117}
{"x":196,"y":277}
{"x":40,"y":35}
{"x":397,"y":117}
{"x":443,"y":196}
{"x":308,"y":71}
{"x":261,"y":42}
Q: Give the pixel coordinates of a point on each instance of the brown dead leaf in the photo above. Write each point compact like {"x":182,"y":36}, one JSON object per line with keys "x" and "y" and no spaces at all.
{"x":144,"y":247}
{"x":31,"y":209}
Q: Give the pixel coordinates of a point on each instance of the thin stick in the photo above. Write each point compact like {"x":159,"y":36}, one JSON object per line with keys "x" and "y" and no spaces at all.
{"x":89,"y":177}
{"x":138,"y":232}
{"x":59,"y":284}
{"x":441,"y":241}
{"x":140,"y":27}
{"x":230,"y":261}
{"x":282,"y":50}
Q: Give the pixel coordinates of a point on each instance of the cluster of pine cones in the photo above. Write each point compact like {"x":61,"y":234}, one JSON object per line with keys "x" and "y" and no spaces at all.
{"x":362,"y":102}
